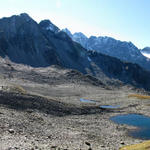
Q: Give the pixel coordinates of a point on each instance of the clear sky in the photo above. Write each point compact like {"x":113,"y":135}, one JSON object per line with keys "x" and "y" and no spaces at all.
{"x":127,"y":20}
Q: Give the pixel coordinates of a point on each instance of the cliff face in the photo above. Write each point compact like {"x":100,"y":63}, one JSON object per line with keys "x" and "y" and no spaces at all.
{"x":24,"y":41}
{"x":126,"y":72}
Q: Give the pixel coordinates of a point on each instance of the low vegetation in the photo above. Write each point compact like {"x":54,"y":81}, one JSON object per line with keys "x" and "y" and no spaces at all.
{"x":14,"y":88}
{"x":18,"y":89}
{"x":141,"y":146}
{"x":139,"y":96}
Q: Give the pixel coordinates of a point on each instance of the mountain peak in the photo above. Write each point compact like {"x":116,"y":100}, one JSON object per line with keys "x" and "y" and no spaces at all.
{"x":48,"y":25}
{"x":25,"y":15}
{"x":80,"y":38}
{"x":68,"y":32}
{"x":79,"y":34}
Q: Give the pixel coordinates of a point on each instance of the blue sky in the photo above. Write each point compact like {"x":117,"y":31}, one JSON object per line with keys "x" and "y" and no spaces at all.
{"x":127,"y":20}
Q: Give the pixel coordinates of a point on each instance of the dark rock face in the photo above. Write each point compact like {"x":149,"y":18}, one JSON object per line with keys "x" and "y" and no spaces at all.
{"x":24,"y":42}
{"x":48,"y":25}
{"x":128,"y":73}
{"x":39,"y":45}
{"x":71,"y":54}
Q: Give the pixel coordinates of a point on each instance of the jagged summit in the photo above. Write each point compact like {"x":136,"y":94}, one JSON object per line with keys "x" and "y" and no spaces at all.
{"x":80,"y":38}
{"x":68,"y":32}
{"x":48,"y":25}
{"x":79,"y":34}
{"x":23,"y":16}
{"x":77,"y":37}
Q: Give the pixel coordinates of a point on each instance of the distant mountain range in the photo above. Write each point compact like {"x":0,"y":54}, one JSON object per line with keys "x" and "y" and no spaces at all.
{"x":125,"y":51}
{"x":24,"y":41}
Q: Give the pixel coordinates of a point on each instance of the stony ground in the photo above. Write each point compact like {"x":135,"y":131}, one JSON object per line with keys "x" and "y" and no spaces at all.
{"x":41,"y":109}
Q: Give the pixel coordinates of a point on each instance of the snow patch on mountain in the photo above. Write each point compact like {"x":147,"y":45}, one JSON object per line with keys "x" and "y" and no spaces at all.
{"x":89,"y":59}
{"x":146,"y":52}
{"x":80,"y":38}
{"x":146,"y":55}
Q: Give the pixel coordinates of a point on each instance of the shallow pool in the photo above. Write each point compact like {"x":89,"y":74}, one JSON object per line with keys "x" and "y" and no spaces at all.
{"x":109,"y":106}
{"x":86,"y":100}
{"x":140,"y":121}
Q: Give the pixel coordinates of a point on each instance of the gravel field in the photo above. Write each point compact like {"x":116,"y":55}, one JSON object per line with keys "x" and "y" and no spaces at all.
{"x":41,"y":110}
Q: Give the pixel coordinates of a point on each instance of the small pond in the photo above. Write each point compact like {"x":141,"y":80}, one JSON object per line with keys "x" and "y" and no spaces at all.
{"x":140,"y":121}
{"x":109,"y":106}
{"x":87,"y":101}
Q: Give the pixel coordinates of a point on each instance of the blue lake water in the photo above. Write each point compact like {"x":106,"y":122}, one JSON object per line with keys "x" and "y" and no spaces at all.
{"x":109,"y":106}
{"x":86,"y":100}
{"x":140,"y":121}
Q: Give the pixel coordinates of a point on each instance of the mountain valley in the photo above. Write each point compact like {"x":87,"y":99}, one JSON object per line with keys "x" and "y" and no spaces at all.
{"x":44,"y":74}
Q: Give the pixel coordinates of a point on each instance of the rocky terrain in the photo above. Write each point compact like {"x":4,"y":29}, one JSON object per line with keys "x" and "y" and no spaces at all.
{"x":44,"y":75}
{"x":40,"y":108}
